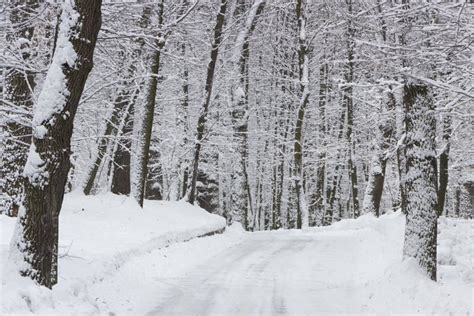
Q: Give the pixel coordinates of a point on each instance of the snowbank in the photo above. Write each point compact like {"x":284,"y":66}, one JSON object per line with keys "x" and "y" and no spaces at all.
{"x":389,"y":283}
{"x":98,"y":235}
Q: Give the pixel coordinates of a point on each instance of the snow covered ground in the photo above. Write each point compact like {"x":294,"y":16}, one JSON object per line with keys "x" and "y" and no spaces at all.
{"x":114,"y":262}
{"x":98,"y":235}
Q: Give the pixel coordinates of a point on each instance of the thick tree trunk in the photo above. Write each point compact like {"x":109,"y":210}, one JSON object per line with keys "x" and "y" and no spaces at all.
{"x":148,"y":115}
{"x":48,"y":162}
{"x":18,"y":88}
{"x":420,"y":182}
{"x":201,"y":125}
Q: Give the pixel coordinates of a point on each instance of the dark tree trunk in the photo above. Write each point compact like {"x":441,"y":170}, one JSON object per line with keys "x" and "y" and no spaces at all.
{"x":374,"y":189}
{"x":18,"y":88}
{"x":375,"y":183}
{"x":148,"y":115}
{"x":120,"y":104}
{"x":48,"y":161}
{"x":121,"y":158}
{"x":184,"y":165}
{"x":242,"y":196}
{"x":457,"y":201}
{"x":348,"y":100}
{"x":332,"y":189}
{"x":303,"y":63}
{"x":201,"y":125}
{"x":420,"y":182}
{"x":443,"y":165}
{"x":318,"y":209}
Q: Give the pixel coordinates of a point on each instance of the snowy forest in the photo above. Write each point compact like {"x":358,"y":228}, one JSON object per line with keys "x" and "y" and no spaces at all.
{"x":304,"y":117}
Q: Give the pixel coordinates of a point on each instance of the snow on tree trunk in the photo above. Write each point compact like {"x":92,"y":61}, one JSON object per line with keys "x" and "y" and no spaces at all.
{"x":420,"y":179}
{"x":443,"y":164}
{"x":375,"y":183}
{"x":302,"y":207}
{"x":143,"y":155}
{"x":241,"y":195}
{"x":18,"y":92}
{"x":120,"y":108}
{"x":35,"y":244}
{"x":349,"y":104}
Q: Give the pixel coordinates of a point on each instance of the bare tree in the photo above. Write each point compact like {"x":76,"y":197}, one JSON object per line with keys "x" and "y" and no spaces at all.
{"x":149,"y":112}
{"x":201,"y":124}
{"x":303,"y":63}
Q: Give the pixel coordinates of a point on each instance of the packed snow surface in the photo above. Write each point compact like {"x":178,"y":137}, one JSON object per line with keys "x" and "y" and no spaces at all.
{"x":114,"y":263}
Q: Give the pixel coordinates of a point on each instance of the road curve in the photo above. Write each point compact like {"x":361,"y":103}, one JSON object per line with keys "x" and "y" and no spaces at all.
{"x":268,"y":274}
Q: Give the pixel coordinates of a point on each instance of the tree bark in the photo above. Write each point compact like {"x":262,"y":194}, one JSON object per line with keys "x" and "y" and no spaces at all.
{"x":120,"y":183}
{"x":443,"y":165}
{"x":420,"y":182}
{"x":19,"y":85}
{"x":48,"y":161}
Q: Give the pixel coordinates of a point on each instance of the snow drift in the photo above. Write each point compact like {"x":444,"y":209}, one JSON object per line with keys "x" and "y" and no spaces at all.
{"x":98,"y":234}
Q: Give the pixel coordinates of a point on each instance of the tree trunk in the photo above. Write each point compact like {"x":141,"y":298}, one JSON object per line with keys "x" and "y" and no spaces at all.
{"x":303,"y":61}
{"x":469,"y":186}
{"x":120,"y":104}
{"x":332,"y":189}
{"x":121,"y":157}
{"x":148,"y":115}
{"x":374,"y":189}
{"x":201,"y":125}
{"x":375,"y":183}
{"x":348,"y":99}
{"x":443,"y":165}
{"x":318,"y":199}
{"x":241,"y":195}
{"x":48,"y":160}
{"x":420,"y":182}
{"x":184,"y":164}
{"x":19,"y":85}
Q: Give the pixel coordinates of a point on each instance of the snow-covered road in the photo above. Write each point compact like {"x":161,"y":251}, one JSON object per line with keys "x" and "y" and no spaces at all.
{"x":351,"y":267}
{"x":270,"y":273}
